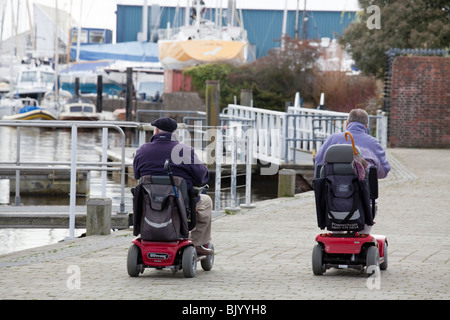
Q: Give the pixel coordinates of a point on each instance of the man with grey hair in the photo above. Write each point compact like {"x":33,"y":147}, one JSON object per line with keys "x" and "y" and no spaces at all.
{"x":371,"y":150}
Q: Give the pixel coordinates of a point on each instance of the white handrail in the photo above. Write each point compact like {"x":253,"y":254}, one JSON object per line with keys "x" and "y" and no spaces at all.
{"x":277,"y":135}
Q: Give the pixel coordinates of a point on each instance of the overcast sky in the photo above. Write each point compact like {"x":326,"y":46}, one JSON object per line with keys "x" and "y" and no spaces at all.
{"x":101,"y":13}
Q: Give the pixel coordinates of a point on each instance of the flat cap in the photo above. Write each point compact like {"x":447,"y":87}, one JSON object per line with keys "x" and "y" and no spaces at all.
{"x":165,"y":124}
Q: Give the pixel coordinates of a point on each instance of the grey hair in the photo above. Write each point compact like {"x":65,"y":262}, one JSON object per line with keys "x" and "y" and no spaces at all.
{"x":358,"y":115}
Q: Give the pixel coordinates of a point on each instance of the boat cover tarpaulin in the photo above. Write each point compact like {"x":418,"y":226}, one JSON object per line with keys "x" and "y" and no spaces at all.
{"x":175,"y":54}
{"x":127,"y":51}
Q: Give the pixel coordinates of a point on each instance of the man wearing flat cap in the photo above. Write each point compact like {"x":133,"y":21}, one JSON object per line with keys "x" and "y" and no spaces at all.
{"x":149,"y":160}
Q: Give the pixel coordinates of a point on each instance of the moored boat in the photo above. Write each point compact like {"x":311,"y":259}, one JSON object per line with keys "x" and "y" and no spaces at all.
{"x":31,"y":113}
{"x":79,"y":109}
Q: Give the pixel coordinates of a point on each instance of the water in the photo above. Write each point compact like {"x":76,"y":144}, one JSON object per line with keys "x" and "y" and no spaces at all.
{"x":44,"y":144}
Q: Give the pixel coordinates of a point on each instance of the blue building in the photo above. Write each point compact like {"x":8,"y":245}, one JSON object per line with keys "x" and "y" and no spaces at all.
{"x":263,"y":26}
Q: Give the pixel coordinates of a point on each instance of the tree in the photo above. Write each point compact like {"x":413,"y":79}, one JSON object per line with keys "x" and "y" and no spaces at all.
{"x":222,"y":72}
{"x":274,"y":79}
{"x":415,"y":24}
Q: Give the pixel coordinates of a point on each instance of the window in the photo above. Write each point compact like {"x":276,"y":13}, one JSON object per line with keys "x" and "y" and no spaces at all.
{"x":83,"y":37}
{"x":76,"y":109}
{"x":47,"y":77}
{"x":97,"y":36}
{"x":29,"y":76}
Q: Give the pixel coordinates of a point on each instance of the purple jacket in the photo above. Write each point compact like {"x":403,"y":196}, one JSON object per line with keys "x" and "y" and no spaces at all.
{"x":150,"y":158}
{"x":371,"y":150}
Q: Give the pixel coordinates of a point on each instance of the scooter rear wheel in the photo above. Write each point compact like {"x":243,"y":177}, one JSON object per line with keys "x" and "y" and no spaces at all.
{"x":208,"y":263}
{"x":317,"y":260}
{"x":372,"y":260}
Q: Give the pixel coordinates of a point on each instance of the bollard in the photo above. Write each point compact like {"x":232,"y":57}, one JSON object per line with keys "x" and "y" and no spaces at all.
{"x":286,"y":183}
{"x":98,"y":219}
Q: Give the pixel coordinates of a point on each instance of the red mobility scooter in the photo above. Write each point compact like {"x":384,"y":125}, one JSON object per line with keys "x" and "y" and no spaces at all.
{"x":164,"y":213}
{"x":344,"y":203}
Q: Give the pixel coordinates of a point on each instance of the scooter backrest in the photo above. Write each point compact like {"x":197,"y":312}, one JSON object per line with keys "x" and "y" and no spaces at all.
{"x":341,"y":157}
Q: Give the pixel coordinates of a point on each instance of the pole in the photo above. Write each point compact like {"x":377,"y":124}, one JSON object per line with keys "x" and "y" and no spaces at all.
{"x":79,"y":31}
{"x":99,"y":93}
{"x":129,"y":93}
{"x":56,"y":52}
{"x":219,"y":159}
{"x":283,"y":32}
{"x":17,"y":199}
{"x":145,"y":22}
{"x":212,"y":103}
{"x":248,"y":169}
{"x":104,"y":159}
{"x":73,"y":182}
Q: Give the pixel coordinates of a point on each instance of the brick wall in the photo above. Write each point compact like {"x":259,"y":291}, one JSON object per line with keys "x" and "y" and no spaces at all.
{"x":420,"y":102}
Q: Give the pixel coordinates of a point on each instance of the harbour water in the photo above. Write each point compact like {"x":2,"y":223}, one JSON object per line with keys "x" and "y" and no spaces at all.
{"x":44,"y":144}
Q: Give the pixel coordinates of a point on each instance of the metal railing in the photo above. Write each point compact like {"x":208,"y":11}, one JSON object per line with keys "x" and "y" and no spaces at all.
{"x":268,"y":132}
{"x":223,"y":149}
{"x":74,"y":164}
{"x":278,"y":135}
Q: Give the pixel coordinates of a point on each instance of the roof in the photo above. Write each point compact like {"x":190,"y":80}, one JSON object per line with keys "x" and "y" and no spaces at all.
{"x":128,"y":51}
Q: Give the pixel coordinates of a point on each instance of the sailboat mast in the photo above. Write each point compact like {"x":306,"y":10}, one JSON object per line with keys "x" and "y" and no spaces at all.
{"x":56,"y":51}
{"x":283,"y":32}
{"x":198,"y":15}
{"x":32,"y":37}
{"x":186,"y":14}
{"x":145,"y":22}
{"x":2,"y":25}
{"x":79,"y":31}
{"x":69,"y":42}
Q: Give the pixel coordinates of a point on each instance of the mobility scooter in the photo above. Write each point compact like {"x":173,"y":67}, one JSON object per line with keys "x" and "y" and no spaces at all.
{"x":344,"y":203}
{"x":164,"y":213}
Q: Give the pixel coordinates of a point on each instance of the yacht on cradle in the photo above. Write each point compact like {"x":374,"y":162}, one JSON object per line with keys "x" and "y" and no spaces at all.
{"x":203,"y":41}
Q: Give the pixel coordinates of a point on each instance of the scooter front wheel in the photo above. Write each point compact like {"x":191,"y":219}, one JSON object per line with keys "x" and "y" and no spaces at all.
{"x":189,"y":262}
{"x":317,"y":260}
{"x":134,"y":253}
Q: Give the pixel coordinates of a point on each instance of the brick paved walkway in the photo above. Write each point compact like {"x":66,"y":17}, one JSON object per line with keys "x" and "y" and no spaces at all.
{"x":265,"y":253}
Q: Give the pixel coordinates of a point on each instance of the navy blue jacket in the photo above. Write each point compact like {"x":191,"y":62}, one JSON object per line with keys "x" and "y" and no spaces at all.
{"x":150,"y":158}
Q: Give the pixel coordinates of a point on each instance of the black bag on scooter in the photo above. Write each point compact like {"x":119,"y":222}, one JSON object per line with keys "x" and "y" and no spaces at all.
{"x":342,"y":202}
{"x":159,"y":214}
